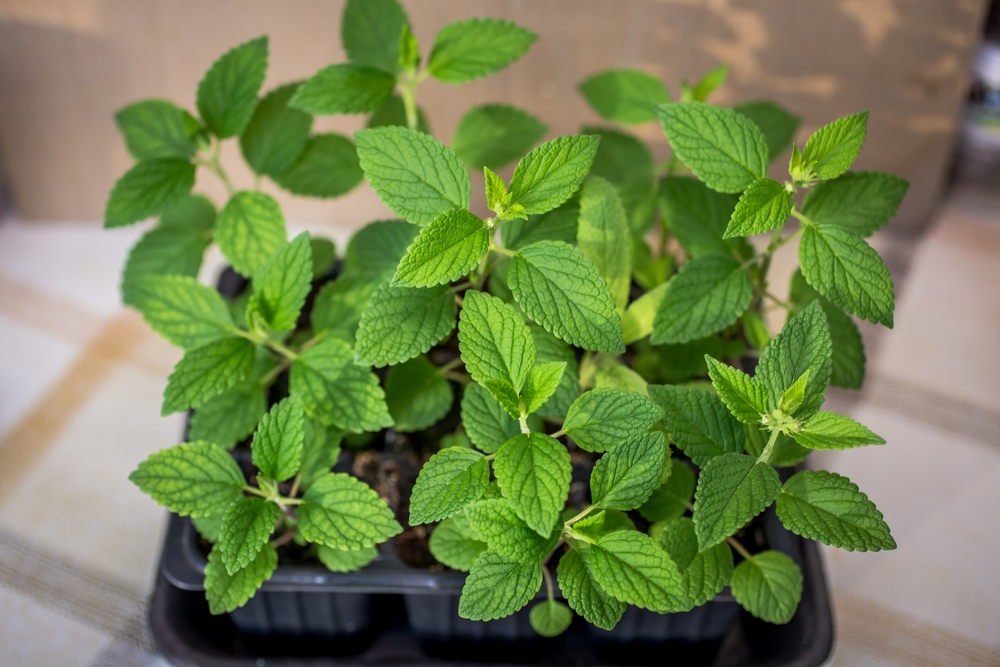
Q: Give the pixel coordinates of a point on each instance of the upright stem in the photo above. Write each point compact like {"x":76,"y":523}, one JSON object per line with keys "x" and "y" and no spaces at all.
{"x":548,"y":582}
{"x":766,"y":454}
{"x":407,"y":90}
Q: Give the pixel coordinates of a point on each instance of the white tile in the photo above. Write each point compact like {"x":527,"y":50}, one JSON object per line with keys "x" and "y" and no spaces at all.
{"x":32,"y":635}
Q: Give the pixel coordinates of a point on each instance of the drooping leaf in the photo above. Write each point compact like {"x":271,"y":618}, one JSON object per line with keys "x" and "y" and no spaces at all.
{"x":375,"y":250}
{"x":549,"y":348}
{"x":550,"y":618}
{"x":603,"y":238}
{"x":337,"y":560}
{"x":494,"y":341}
{"x":229,"y":417}
{"x":671,"y":499}
{"x":370,"y":32}
{"x":281,"y":285}
{"x":228,"y":592}
{"x":847,"y":368}
{"x":393,"y":112}
{"x":704,"y":574}
{"x":621,"y":158}
{"x":164,"y":251}
{"x":559,"y":224}
{"x":495,"y":521}
{"x":698,"y":216}
{"x":486,"y":422}
{"x":452,"y":544}
{"x":157,"y":129}
{"x":777,"y":124}
{"x":860,"y":202}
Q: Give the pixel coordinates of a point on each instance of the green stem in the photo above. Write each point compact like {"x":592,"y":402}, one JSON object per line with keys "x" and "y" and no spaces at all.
{"x":408,"y":91}
{"x":548,"y":582}
{"x":451,"y":365}
{"x":280,"y":347}
{"x":254,"y":490}
{"x":801,"y":218}
{"x":461,"y":286}
{"x":581,"y":515}
{"x":740,"y":549}
{"x":784,"y":304}
{"x":269,"y":377}
{"x":295,"y":485}
{"x":503,"y":251}
{"x":460,"y":378}
{"x":766,"y":454}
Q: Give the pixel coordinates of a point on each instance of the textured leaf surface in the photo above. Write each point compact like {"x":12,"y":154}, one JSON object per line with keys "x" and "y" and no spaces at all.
{"x":163,"y":251}
{"x":698,"y":216}
{"x":777,"y":124}
{"x":194,"y":479}
{"x":494,"y":341}
{"x":549,"y":348}
{"x":495,"y":521}
{"x":559,"y":224}
{"x":417,"y":395}
{"x":704,"y":574}
{"x":601,"y":418}
{"x":402,"y":322}
{"x":230,"y":416}
{"x":584,"y":595}
{"x":147,"y":189}
{"x":337,"y":560}
{"x":802,"y":346}
{"x":227,"y":94}
{"x":277,"y":444}
{"x":448,"y":248}
{"x":765,"y":205}
{"x":497,"y":587}
{"x":550,"y":618}
{"x":227,"y":592}
{"x":671,"y":499}
{"x":453,"y":544}
{"x":698,"y":422}
{"x":621,"y":158}
{"x":533,"y":472}
{"x":742,"y":394}
{"x":633,"y":569}
{"x":183,"y":311}
{"x":494,"y":135}
{"x":207,"y":371}
{"x":156,"y":129}
{"x":276,"y":133}
{"x":486,"y":422}
{"x":370,"y":32}
{"x":328,"y":166}
{"x":832,"y":148}
{"x":467,"y":50}
{"x":450,"y":480}
{"x":624,"y":95}
{"x":339,"y":305}
{"x":625,"y":477}
{"x":847,"y":367}
{"x":603,"y":238}
{"x":828,"y":430}
{"x":341,"y":512}
{"x":549,"y":175}
{"x":249,"y":230}
{"x":347,"y":89}
{"x":281,"y":285}
{"x":769,"y":586}
{"x":732,"y":490}
{"x":245,"y":529}
{"x":860,"y":202}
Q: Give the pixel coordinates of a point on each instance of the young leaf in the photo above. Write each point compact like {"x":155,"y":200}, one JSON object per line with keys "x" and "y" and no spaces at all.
{"x":370,"y":32}
{"x":704,"y":574}
{"x":847,"y":367}
{"x":467,"y":50}
{"x":276,"y":133}
{"x":802,"y":346}
{"x":246,"y":526}
{"x":494,"y":341}
{"x":671,"y":499}
{"x":182,"y":310}
{"x":417,"y":395}
{"x":496,"y":190}
{"x":249,"y":230}
{"x":495,"y":521}
{"x":549,"y":348}
{"x":601,"y":418}
{"x":453,"y":544}
{"x":402,"y":322}
{"x":637,"y":322}
{"x":625,"y":477}
{"x":549,"y":175}
{"x":698,"y":216}
{"x":603,"y":238}
{"x":828,"y":430}
{"x":732,"y":490}
{"x":147,"y":189}
{"x":337,"y":560}
{"x":228,"y":592}
{"x":765,"y":205}
{"x":347,"y":89}
{"x":228,"y":92}
{"x":860,"y":202}
{"x":846,"y":270}
{"x":625,"y":95}
{"x":409,"y":51}
{"x":533,"y":472}
{"x":541,"y":383}
{"x":550,"y":618}
{"x":486,"y":422}
{"x":824,"y":506}
{"x":451,"y":246}
{"x":742,"y":394}
{"x":709,"y":83}
{"x":793,"y":397}
{"x":328,"y":166}
{"x":832,"y":148}
{"x":163,"y":251}
{"x":207,"y":371}
{"x":157,"y":129}
{"x":708,"y":294}
{"x":336,"y":390}
{"x":229,"y":417}
{"x":778,"y":125}
{"x":342,"y":512}
{"x":723,"y":148}
{"x":280,"y":286}
{"x":621,"y":158}
{"x":497,"y":587}
{"x":277,"y":444}
{"x":413,"y":173}
{"x":630,"y":567}
{"x":562,"y":290}
{"x":494,"y":135}
{"x":375,"y":250}
{"x":450,"y":480}
{"x":584,"y":595}
{"x":769,"y":586}
{"x":698,"y":422}
{"x":193,"y":479}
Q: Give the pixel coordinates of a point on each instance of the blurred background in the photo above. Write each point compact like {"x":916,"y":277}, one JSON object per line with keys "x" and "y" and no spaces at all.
{"x":81,"y":377}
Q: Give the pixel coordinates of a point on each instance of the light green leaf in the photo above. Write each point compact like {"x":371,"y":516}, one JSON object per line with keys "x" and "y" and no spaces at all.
{"x":625,"y":477}
{"x":621,"y":158}
{"x":207,"y":371}
{"x":451,"y":246}
{"x":742,"y":394}
{"x":765,"y":205}
{"x":601,"y":418}
{"x":802,"y":346}
{"x":828,"y":430}
{"x":792,"y":399}
{"x":276,"y":133}
{"x":320,"y":451}
{"x":708,"y":294}
{"x":485,"y":420}
{"x":549,"y":175}
{"x":376,"y":249}
{"x":698,"y":217}
{"x":246,"y":526}
{"x":549,"y":348}
{"x":402,"y":322}
{"x":413,"y":173}
{"x":860,"y":202}
{"x":603,"y":238}
{"x":337,"y":560}
{"x":671,"y":499}
{"x":584,"y":595}
{"x":467,"y":50}
{"x":732,"y":490}
{"x":769,"y":586}
{"x":497,"y":587}
{"x":559,"y":224}
{"x":163,"y":251}
{"x":505,"y":394}
{"x":550,"y":618}
{"x":193,"y":479}
{"x":182,"y":310}
{"x":280,"y":286}
{"x":848,"y":351}
{"x":338,"y":306}
{"x":494,"y":341}
{"x":369,"y":32}
{"x":533,"y":472}
{"x":541,"y":384}
{"x":229,"y":417}
{"x":832,"y":148}
{"x":192,"y":212}
{"x":209,"y":527}
{"x":496,"y":190}
{"x":147,"y":189}
{"x":494,"y":135}
{"x":277,"y":444}
{"x":341,"y":512}
{"x":704,"y":574}
{"x":327,"y":167}
{"x":698,"y":422}
{"x":624,"y":95}
{"x":776,"y":123}
{"x":495,"y":521}
{"x":637,"y":322}
{"x":417,"y":395}
{"x":228,"y":592}
{"x":343,"y":89}
{"x":249,"y":230}
{"x":228,"y":92}
{"x":633,"y":569}
{"x":723,"y":148}
{"x":450,"y":480}
{"x":612,"y":373}
{"x":157,"y":129}
{"x":708,"y":83}
{"x":453,"y":544}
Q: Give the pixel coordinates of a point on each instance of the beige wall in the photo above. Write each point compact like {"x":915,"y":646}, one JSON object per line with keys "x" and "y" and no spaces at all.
{"x":67,"y":65}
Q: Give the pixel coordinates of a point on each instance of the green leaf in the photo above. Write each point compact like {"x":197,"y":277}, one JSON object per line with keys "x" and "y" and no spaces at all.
{"x":562,"y":290}
{"x":824,"y":506}
{"x":621,"y":158}
{"x":559,"y":224}
{"x":848,"y":351}
{"x":413,"y":173}
{"x":612,"y":373}
{"x":494,"y":135}
{"x":375,"y":250}
{"x":338,"y":306}
{"x":369,"y":32}
{"x":832,"y":148}
{"x":549,"y":175}
{"x":802,"y":346}
{"x":860,"y":202}
{"x":496,"y":190}
{"x":454,"y":544}
{"x":603,"y":238}
{"x":624,"y":95}
{"x":698,"y":422}
{"x":765,"y":205}
{"x":209,"y":527}
{"x":417,"y":395}
{"x":742,"y":394}
{"x":540,"y":385}
{"x":328,"y":166}
{"x":450,"y":480}
{"x":229,"y":417}
{"x":486,"y":422}
{"x":704,"y":574}
{"x":601,"y":418}
{"x":347,"y":89}
{"x":550,"y":618}
{"x":637,"y":322}
{"x":336,"y":390}
{"x":157,"y":129}
{"x":497,"y":587}
{"x":708,"y":294}
{"x":228,"y":592}
{"x":630,"y":567}
{"x":402,"y":322}
{"x":776,"y":123}
{"x":320,"y":451}
{"x":163,"y":251}
{"x":228,"y":92}
{"x":732,"y":490}
{"x":451,"y":246}
{"x":723,"y":148}
{"x":793,"y":397}
{"x":277,"y":444}
{"x":495,"y":521}
{"x":828,"y":430}
{"x":147,"y":189}
{"x":246,"y":527}
{"x":533,"y":472}
{"x":191,"y":212}
{"x":276,"y":133}
{"x":846,"y":270}
{"x":625,"y":477}
{"x":549,"y":348}
{"x":584,"y":595}
{"x":769,"y":586}
{"x":467,"y":50}
{"x":337,"y":560}
{"x":193,"y":479}
{"x":393,"y":112}
{"x":708,"y":83}
{"x":207,"y":371}
{"x":280,"y":286}
{"x":698,"y":217}
{"x":249,"y":230}
{"x":341,"y":512}
{"x":182,"y":310}
{"x":670,"y":500}
{"x":494,"y":341}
